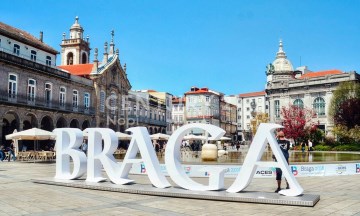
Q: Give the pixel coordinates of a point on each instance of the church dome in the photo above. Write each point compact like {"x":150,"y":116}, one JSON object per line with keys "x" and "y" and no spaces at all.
{"x":281,"y":62}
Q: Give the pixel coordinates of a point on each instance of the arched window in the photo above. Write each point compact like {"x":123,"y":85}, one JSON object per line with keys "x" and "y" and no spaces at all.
{"x":102,"y":101}
{"x":12,"y":85}
{"x":62,"y":96}
{"x":299,"y":103}
{"x":70,"y":58}
{"x":48,"y":93}
{"x":31,"y":90}
{"x":319,"y":106}
{"x":75,"y":100}
{"x":84,"y":58}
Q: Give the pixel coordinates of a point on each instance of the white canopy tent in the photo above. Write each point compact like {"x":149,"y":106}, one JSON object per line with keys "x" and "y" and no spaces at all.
{"x":159,"y":136}
{"x":30,"y":134}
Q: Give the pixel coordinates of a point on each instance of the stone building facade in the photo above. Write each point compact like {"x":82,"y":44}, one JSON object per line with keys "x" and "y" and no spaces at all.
{"x":34,"y":92}
{"x":110,"y":82}
{"x":146,"y":110}
{"x":302,"y":87}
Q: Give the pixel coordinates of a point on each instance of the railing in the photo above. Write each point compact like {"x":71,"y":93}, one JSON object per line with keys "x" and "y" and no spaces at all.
{"x":146,"y":120}
{"x":22,"y":62}
{"x":24,"y":100}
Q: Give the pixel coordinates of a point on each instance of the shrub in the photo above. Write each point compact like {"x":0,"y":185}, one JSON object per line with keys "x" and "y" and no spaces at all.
{"x":347,"y":147}
{"x":322,"y":148}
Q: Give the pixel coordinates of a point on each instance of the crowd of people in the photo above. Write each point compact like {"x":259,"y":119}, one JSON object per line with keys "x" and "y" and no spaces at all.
{"x":8,"y":151}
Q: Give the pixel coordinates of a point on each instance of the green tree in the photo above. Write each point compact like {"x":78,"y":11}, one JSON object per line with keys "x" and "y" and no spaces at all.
{"x":344,"y":111}
{"x":344,"y":92}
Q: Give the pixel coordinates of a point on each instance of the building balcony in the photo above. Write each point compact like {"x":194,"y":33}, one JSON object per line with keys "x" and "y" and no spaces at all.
{"x":146,"y":120}
{"x":41,"y":103}
{"x":15,"y":60}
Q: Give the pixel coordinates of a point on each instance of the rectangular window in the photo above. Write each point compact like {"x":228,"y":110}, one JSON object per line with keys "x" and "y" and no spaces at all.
{"x":48,"y":60}
{"x":16,"y":49}
{"x":207,"y":99}
{"x":33,"y":55}
{"x":277,"y":108}
{"x":48,"y":93}
{"x":31,"y":90}
{"x":87,"y":101}
{"x":62,"y":96}
{"x":12,"y":86}
{"x":75,"y":99}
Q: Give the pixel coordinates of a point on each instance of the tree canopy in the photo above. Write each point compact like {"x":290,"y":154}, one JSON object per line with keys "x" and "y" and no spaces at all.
{"x":298,"y":122}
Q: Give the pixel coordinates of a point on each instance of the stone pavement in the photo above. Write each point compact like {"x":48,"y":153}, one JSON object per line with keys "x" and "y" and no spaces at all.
{"x":339,"y":195}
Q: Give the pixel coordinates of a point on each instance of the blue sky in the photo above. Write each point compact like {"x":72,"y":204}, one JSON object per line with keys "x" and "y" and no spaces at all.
{"x":224,"y":45}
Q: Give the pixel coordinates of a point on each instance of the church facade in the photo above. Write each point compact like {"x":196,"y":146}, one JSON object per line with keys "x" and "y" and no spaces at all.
{"x":288,"y":86}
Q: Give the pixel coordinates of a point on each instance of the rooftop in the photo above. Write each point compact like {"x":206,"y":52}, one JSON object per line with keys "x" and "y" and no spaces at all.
{"x":253,"y":94}
{"x":321,"y":73}
{"x":25,"y":37}
{"x":79,"y":69}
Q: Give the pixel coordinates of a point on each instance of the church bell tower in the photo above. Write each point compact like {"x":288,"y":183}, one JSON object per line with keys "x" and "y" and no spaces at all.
{"x":75,"y":49}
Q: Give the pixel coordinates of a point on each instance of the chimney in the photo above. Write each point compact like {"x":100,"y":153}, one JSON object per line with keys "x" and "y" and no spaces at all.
{"x":41,"y":36}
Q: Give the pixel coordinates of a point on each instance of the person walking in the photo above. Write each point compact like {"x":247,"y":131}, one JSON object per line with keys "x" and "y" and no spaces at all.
{"x":284,"y":146}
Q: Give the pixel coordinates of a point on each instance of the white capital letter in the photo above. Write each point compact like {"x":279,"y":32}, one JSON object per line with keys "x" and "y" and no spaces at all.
{"x":98,"y":156}
{"x":264,"y":134}
{"x":68,"y":141}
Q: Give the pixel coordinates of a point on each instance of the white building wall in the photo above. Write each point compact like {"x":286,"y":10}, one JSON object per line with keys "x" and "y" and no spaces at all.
{"x":7,"y":45}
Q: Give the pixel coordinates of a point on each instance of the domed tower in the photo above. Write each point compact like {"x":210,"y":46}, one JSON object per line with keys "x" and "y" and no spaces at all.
{"x":282,"y":68}
{"x":75,"y":50}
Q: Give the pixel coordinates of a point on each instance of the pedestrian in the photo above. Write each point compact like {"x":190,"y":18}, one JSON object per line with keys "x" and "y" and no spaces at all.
{"x":2,"y":153}
{"x":310,"y":145}
{"x":303,"y":147}
{"x":284,"y":146}
{"x":11,"y":151}
{"x":84,"y":147}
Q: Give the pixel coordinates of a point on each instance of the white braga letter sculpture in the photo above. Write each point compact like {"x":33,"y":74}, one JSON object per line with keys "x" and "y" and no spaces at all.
{"x":102,"y":143}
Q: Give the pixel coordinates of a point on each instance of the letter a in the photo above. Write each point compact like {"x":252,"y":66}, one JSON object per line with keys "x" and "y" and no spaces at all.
{"x":264,"y":134}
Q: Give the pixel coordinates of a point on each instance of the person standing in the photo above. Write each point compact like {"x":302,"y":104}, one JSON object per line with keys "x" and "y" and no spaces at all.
{"x":11,"y":152}
{"x":2,"y":153}
{"x":303,"y":147}
{"x":310,"y":144}
{"x":284,"y":146}
{"x":84,"y":147}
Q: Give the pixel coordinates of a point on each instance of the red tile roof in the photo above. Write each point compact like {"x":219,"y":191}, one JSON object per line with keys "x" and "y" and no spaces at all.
{"x":25,"y":37}
{"x":253,"y":94}
{"x":178,"y":100}
{"x":79,"y":69}
{"x":321,"y":73}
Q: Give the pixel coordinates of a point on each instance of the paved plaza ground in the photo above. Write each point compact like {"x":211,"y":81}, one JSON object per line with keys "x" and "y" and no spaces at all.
{"x":339,"y":195}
